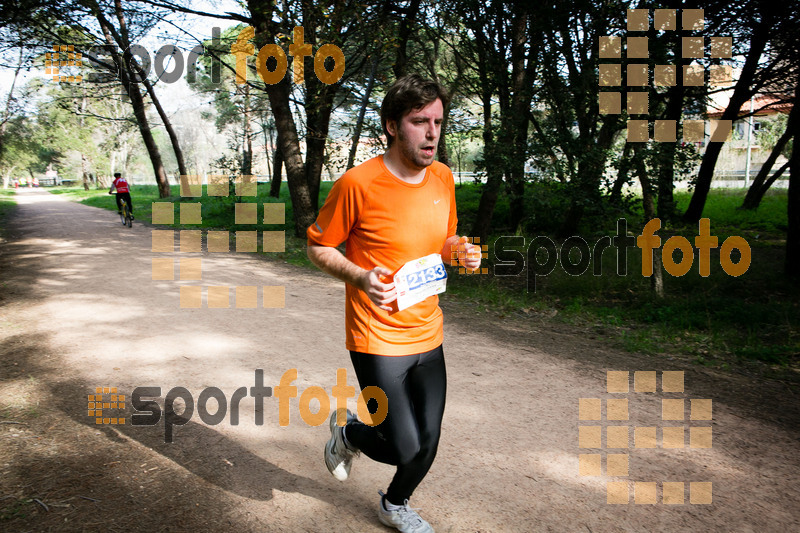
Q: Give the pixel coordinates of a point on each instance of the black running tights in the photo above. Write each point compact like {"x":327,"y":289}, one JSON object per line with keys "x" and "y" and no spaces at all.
{"x":127,"y":196}
{"x":415,"y":386}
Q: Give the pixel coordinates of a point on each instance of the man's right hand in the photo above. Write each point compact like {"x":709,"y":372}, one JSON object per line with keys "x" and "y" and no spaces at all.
{"x":332,"y":261}
{"x":380,"y":293}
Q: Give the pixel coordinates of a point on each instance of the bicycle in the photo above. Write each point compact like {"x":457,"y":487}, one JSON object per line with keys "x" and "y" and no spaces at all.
{"x":125,"y":214}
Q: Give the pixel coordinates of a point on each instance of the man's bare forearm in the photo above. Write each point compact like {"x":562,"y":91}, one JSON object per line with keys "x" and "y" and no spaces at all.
{"x":333,"y":262}
{"x":449,"y":247}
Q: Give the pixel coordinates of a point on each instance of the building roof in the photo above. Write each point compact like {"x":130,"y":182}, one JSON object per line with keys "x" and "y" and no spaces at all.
{"x":763,"y":104}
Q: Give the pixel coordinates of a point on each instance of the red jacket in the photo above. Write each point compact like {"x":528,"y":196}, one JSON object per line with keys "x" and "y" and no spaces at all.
{"x":121,"y":184}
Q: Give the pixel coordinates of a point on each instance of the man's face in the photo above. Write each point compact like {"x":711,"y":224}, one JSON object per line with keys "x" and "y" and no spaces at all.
{"x":417,"y":135}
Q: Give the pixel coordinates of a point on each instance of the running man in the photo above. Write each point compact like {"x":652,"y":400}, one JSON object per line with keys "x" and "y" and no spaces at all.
{"x":392,"y":210}
{"x":123,"y":191}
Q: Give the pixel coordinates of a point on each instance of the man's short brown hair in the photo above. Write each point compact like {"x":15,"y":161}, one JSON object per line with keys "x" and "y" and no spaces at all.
{"x":408,"y":93}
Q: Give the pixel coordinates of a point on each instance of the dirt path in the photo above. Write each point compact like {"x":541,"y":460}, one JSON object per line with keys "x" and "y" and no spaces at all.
{"x":80,"y":310}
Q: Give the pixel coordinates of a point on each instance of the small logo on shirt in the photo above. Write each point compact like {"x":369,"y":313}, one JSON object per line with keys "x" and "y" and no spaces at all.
{"x":436,"y":201}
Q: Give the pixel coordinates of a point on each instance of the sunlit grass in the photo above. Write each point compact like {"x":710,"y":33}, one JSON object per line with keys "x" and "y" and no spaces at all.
{"x":7,"y":205}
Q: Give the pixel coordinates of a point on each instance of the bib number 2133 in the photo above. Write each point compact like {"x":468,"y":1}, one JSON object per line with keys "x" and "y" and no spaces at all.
{"x":420,"y":279}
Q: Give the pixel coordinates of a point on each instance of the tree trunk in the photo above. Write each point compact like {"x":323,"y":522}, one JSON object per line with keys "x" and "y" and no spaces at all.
{"x":757,"y":189}
{"x":574,"y":214}
{"x":622,"y":175}
{"x":657,"y":279}
{"x":778,"y":173}
{"x":302,"y":206}
{"x":666,"y":156}
{"x":126,"y":71}
{"x":318,"y":107}
{"x":303,"y":178}
{"x":544,"y":140}
{"x":666,"y":181}
{"x":441,"y":148}
{"x":507,"y":156}
{"x":247,"y":143}
{"x":516,"y":182}
{"x":406,"y":28}
{"x":351,"y":157}
{"x":793,"y":209}
{"x":741,"y":93}
{"x":84,"y":174}
{"x":136,"y":100}
{"x":140,"y":113}
{"x":10,"y":99}
{"x":515,"y":173}
{"x":488,"y":201}
{"x":494,"y":173}
{"x":587,"y":179}
{"x":517,"y":118}
{"x":267,"y":143}
{"x":277,"y":171}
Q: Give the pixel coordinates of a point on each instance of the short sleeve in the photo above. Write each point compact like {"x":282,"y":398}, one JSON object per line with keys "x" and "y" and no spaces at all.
{"x":452,"y":221}
{"x":338,"y":214}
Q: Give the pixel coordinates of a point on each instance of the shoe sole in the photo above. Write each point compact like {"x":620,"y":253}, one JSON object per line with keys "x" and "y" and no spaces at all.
{"x":386,"y":522}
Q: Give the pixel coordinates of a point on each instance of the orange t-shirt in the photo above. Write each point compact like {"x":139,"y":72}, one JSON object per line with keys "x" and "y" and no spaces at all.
{"x":388,"y":222}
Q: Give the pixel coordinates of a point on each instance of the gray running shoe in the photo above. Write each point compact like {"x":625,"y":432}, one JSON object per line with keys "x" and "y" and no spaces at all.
{"x":338,"y":457}
{"x":405,"y":519}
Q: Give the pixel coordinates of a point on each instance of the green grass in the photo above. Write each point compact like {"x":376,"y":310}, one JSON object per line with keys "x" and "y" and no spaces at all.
{"x":722,"y":207}
{"x":7,"y":205}
{"x":77,"y":193}
{"x":716,"y":320}
{"x":217,"y":212}
{"x":142,"y":196}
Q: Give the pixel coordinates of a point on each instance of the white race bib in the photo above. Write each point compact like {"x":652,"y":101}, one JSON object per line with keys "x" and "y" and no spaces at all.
{"x":419,"y":279}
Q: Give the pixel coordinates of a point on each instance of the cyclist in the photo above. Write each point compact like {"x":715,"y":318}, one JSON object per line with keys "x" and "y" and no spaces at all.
{"x":123,"y":191}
